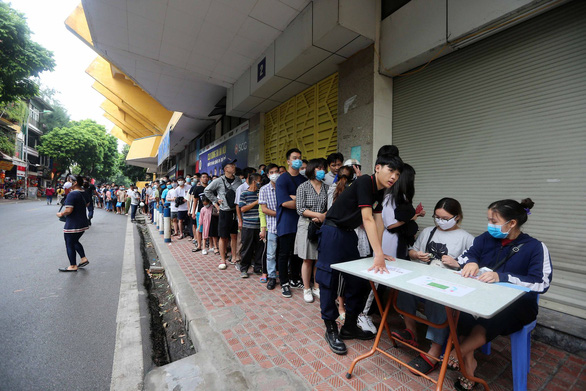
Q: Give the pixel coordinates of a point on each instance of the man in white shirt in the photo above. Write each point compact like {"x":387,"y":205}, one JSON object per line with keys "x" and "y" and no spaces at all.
{"x":177,"y":197}
{"x":132,"y":194}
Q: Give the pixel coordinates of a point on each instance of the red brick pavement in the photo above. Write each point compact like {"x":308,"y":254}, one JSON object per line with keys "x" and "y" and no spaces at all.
{"x":288,"y":333}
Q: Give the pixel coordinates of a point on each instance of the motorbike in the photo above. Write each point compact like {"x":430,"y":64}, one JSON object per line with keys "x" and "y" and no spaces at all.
{"x":11,"y":194}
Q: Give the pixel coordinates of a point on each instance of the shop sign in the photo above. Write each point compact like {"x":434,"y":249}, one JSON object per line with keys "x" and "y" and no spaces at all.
{"x":20,"y":170}
{"x":235,"y":147}
{"x":6,"y":165}
{"x":164,"y":148}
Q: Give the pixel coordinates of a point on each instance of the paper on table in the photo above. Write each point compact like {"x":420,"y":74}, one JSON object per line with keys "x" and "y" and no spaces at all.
{"x":393,"y":272}
{"x":441,"y":286}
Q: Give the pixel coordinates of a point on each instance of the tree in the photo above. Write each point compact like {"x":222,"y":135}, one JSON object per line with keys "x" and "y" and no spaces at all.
{"x":84,"y":144}
{"x":133,"y":173}
{"x":21,"y":58}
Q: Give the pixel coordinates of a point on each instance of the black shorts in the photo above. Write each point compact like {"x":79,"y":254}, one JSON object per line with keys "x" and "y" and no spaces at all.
{"x":182,"y":215}
{"x":173,"y":215}
{"x":228,"y":224}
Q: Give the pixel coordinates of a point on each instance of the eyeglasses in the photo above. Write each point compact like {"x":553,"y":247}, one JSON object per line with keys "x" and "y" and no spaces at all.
{"x":444,"y":220}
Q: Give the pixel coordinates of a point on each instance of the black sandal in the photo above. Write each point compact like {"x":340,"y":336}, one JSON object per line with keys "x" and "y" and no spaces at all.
{"x":83,"y":264}
{"x":463,"y":384}
{"x":423,"y":364}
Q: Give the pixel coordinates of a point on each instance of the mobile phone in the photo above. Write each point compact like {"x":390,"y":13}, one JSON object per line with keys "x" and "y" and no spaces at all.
{"x":419,"y":208}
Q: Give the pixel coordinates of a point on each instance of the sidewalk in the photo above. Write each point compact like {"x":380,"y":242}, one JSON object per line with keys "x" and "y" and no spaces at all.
{"x":263,"y":330}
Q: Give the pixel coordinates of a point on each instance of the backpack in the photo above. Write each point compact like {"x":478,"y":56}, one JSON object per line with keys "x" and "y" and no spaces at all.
{"x":230,"y":196}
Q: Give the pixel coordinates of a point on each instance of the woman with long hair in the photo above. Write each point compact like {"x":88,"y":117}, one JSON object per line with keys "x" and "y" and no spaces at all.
{"x":76,"y":223}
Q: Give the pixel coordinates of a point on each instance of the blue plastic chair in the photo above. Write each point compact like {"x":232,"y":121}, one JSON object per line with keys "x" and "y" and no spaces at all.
{"x":520,"y":354}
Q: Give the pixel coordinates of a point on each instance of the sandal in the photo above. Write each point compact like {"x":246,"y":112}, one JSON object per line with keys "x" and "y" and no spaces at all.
{"x":263,"y":278}
{"x":406,"y":336}
{"x":216,"y":252}
{"x":453,"y":364}
{"x":423,"y":364}
{"x":463,"y":384}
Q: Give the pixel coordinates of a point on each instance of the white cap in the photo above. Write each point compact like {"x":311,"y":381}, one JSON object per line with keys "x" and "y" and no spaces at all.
{"x":351,"y":162}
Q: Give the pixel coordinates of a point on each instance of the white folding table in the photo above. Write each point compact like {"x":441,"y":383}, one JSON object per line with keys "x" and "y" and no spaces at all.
{"x":439,"y":285}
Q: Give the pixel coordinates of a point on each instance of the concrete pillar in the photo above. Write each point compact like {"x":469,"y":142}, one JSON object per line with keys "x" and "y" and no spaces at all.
{"x":167,"y":224}
{"x":155,"y":217}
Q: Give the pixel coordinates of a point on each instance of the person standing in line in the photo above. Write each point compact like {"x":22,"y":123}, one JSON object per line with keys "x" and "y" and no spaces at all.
{"x":243,"y":187}
{"x":287,"y":217}
{"x":76,"y":223}
{"x":170,"y":199}
{"x":267,"y":199}
{"x":252,"y":244}
{"x":127,"y":201}
{"x":311,"y":203}
{"x":195,"y":209}
{"x":222,"y":191}
{"x":134,"y":201}
{"x":120,"y":200}
{"x":334,"y":162}
{"x":154,"y":199}
{"x":360,"y":204}
{"x":181,"y":195}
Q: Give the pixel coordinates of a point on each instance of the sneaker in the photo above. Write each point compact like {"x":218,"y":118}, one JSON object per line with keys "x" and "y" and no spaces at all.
{"x":222,"y":266}
{"x":204,"y":252}
{"x":307,"y":296}
{"x":271,"y":283}
{"x":243,"y":274}
{"x":296,"y":284}
{"x":365,"y":323}
{"x":286,"y":291}
{"x":315,"y":292}
{"x":406,"y":336}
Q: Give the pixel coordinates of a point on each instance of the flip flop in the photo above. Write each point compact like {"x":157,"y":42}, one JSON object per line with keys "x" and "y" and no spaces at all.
{"x":83,"y":264}
{"x":263,"y":280}
{"x":66,"y":270}
{"x":453,"y":364}
{"x":423,"y":364}
{"x":463,"y":384}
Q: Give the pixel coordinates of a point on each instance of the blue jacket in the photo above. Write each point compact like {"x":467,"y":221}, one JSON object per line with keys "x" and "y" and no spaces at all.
{"x":530,"y":267}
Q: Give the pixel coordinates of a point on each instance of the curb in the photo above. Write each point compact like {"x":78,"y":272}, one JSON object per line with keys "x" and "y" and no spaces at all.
{"x":214,"y":366}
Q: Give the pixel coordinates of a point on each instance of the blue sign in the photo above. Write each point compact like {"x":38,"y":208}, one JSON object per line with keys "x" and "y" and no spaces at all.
{"x":235,"y":147}
{"x":261,"y":70}
{"x":164,"y":148}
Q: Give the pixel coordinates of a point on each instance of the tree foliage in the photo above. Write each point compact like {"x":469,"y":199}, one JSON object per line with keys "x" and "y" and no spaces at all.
{"x":7,"y":142}
{"x":21,"y":58}
{"x":84,"y":144}
{"x":133,"y":173}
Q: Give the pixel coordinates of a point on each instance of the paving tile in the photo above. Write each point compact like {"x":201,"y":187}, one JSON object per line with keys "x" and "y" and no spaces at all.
{"x":289,"y":334}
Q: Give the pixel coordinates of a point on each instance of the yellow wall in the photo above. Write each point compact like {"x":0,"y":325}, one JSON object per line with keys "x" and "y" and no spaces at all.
{"x":77,"y":24}
{"x":308,"y":121}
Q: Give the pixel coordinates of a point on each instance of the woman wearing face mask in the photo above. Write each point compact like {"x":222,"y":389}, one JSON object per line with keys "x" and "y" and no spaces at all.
{"x":311,"y":202}
{"x":505,"y":254}
{"x":76,"y":223}
{"x":438,"y":246}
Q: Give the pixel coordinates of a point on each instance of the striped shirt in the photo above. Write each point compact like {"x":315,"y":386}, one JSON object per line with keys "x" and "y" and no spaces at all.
{"x":250,"y":218}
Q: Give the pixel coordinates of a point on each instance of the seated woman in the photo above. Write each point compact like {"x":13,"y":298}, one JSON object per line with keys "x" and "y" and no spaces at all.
{"x":438,"y":245}
{"x":506,"y":254}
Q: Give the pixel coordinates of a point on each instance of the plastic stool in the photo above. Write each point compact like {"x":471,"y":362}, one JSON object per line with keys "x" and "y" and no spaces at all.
{"x":520,"y":355}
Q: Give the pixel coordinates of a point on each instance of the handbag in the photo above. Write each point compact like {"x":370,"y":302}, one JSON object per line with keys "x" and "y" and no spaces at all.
{"x":62,"y":218}
{"x":313,"y":231}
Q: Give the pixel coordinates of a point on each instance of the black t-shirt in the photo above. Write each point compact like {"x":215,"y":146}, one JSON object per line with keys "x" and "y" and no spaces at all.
{"x":87,"y":195}
{"x":346,"y":211}
{"x":197,"y":192}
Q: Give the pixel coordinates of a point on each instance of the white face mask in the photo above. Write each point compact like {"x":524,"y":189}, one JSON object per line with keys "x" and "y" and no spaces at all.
{"x":181,"y":183}
{"x":274,"y":177}
{"x":302,"y":172}
{"x":445,"y":224}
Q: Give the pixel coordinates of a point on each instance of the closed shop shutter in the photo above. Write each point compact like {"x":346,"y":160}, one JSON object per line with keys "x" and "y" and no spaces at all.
{"x":506,"y":118}
{"x":308,"y":121}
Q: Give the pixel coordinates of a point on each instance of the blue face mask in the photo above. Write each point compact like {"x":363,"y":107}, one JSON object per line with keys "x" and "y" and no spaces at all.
{"x":495,"y":231}
{"x":320,"y":175}
{"x":296,"y":164}
{"x":262,"y":172}
{"x":188,"y":180}
{"x":169,"y":186}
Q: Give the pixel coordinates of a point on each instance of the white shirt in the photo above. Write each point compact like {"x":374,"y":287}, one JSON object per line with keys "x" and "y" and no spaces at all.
{"x":390,"y":241}
{"x":242,"y":188}
{"x":180,"y":192}
{"x":134,"y":197}
{"x":453,"y":243}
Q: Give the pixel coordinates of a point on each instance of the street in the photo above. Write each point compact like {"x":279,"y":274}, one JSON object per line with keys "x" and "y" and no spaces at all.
{"x":58,"y":330}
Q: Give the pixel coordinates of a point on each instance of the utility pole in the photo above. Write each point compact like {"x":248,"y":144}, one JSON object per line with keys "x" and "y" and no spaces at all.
{"x":28,"y":114}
